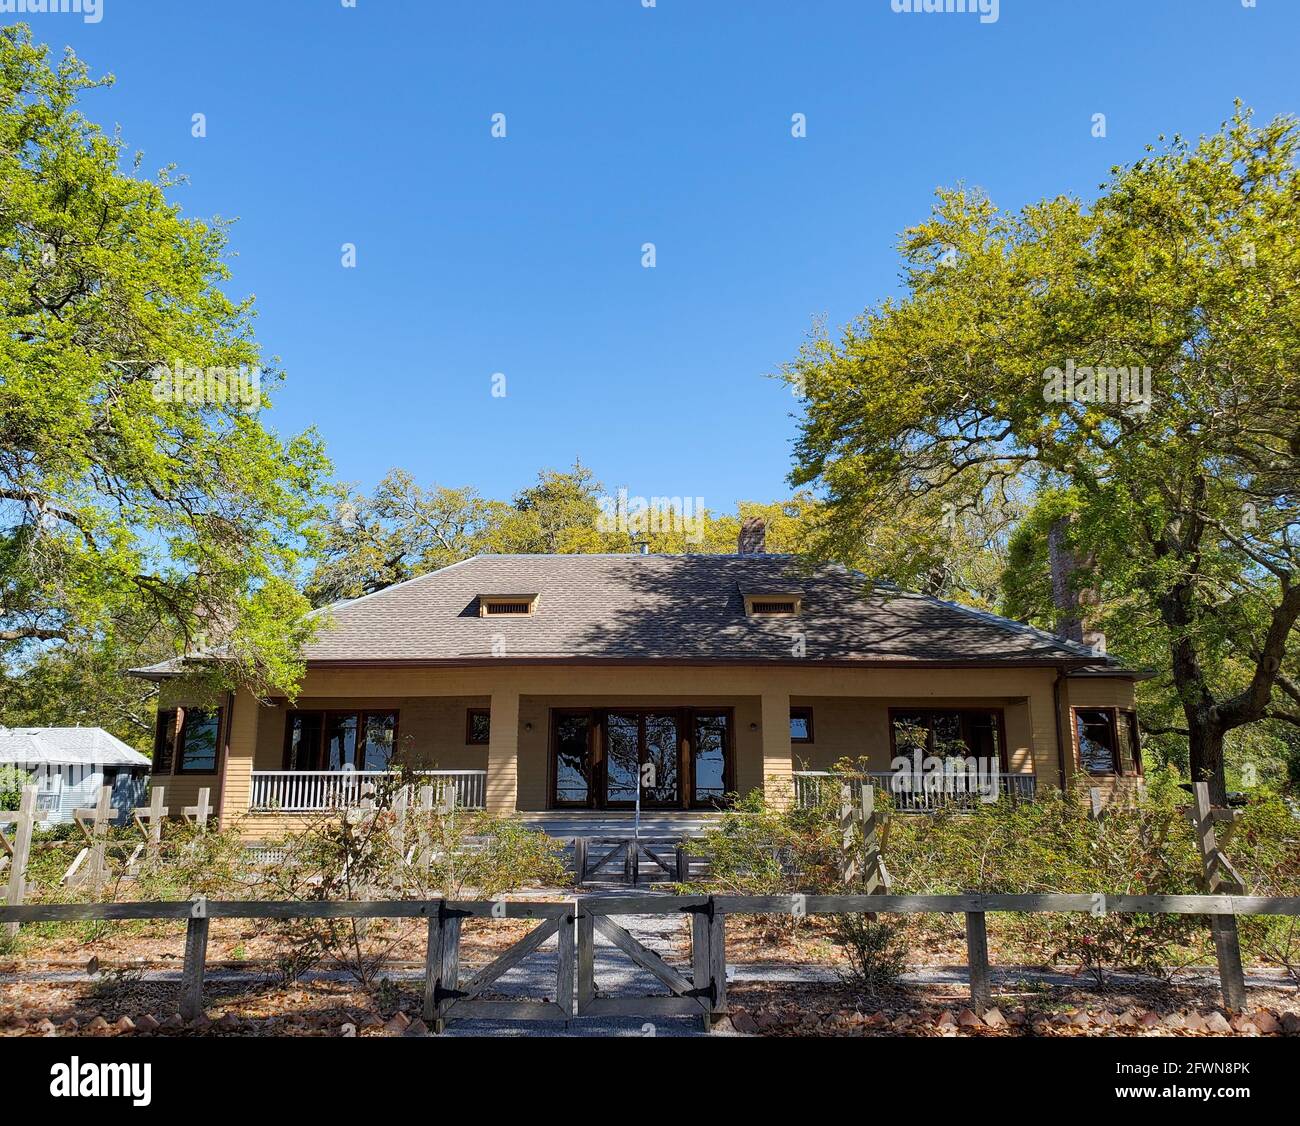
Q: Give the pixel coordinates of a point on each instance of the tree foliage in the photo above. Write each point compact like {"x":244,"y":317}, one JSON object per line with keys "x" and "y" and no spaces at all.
{"x":403,"y":529}
{"x":1184,"y":267}
{"x":115,"y":502}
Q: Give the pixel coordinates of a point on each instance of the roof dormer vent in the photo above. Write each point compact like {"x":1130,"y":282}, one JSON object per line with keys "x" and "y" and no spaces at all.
{"x":506,"y":605}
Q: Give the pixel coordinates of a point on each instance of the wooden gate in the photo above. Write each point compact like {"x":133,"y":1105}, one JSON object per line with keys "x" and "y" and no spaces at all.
{"x":575,"y":925}
{"x":704,"y":994}
{"x":592,"y":854}
{"x":446,"y":998}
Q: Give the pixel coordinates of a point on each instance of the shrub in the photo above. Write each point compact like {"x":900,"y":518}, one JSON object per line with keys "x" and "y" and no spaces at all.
{"x":876,"y":950}
{"x":376,"y":855}
{"x":12,"y":781}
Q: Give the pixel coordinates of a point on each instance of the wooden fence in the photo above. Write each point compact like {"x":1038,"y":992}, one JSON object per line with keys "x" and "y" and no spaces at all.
{"x":576,"y":922}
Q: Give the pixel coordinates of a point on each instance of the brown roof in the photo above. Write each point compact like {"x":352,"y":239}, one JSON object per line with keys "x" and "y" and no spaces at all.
{"x":682,"y":608}
{"x":668,"y":608}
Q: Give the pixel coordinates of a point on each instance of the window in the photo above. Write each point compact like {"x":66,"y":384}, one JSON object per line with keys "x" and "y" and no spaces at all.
{"x":1097,"y":739}
{"x":478,"y":727}
{"x":1130,"y":747}
{"x":947,"y":732}
{"x":340,"y":740}
{"x":164,"y":740}
{"x":506,"y":605}
{"x":801,"y":725}
{"x":196,"y":749}
{"x":1108,"y":741}
{"x":186,"y":741}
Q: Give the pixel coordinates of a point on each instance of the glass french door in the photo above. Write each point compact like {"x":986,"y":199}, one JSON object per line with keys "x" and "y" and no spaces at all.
{"x":642,"y":750}
{"x":677,"y":757}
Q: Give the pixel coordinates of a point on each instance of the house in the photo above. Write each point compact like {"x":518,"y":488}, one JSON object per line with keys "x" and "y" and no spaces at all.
{"x":563,"y":682}
{"x":69,"y":766}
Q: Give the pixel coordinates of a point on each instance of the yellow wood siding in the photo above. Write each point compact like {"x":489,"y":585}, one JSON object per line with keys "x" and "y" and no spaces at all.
{"x":850,"y":716}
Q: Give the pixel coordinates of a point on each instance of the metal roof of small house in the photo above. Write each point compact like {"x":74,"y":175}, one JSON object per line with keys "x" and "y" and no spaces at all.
{"x":90,"y":746}
{"x":668,"y":608}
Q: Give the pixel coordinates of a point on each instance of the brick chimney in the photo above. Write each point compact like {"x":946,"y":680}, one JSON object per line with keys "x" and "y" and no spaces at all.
{"x":753,"y":536}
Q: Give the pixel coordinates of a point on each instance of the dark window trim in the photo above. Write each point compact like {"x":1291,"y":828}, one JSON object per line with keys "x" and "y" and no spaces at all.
{"x":1113,"y":715}
{"x":166,"y":730}
{"x":1004,"y":753}
{"x":470,"y":713}
{"x":686,"y":747}
{"x":286,"y":762}
{"x":1139,"y":771}
{"x":1116,"y":764}
{"x":804,"y":714}
{"x":178,"y":753}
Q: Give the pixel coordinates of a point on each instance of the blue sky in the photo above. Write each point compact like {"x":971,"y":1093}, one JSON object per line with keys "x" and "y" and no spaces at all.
{"x":625,"y":125}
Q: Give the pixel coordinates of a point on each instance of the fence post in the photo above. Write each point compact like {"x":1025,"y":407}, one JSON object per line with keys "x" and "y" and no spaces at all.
{"x":433,"y":963}
{"x":199,"y":813}
{"x":564,"y":973}
{"x":579,"y":860}
{"x":97,"y":835}
{"x":709,"y":961}
{"x":586,"y":970}
{"x":683,"y":864}
{"x":717,"y":963}
{"x":196,"y":953}
{"x":21,"y":852}
{"x":1223,"y":928}
{"x":1096,"y":807}
{"x":875,"y":874}
{"x":149,"y":820}
{"x":401,"y":800}
{"x":449,"y":967}
{"x":977,"y":946}
{"x":848,"y":862}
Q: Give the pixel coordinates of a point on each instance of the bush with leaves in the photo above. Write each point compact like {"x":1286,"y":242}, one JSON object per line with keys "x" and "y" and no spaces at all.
{"x":12,"y":781}
{"x":1143,"y":846}
{"x":381,"y":853}
{"x":876,"y":949}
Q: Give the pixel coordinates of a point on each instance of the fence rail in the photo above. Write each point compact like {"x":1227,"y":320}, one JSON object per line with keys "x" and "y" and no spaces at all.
{"x":316,"y":791}
{"x":578,"y":920}
{"x":921,"y":795}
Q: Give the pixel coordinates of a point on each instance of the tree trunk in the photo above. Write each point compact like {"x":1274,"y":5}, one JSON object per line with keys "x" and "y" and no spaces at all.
{"x":1205,"y":747}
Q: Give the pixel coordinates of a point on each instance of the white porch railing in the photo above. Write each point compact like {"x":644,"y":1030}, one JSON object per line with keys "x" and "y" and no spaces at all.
{"x":947,"y":791}
{"x":312,"y":791}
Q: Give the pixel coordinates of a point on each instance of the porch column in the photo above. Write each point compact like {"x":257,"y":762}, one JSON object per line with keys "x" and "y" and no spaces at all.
{"x":778,"y":759}
{"x":503,"y":754}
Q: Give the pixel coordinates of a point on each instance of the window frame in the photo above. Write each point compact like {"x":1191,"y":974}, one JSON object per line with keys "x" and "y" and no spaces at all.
{"x":1004,"y":759}
{"x":470,"y":714}
{"x":1114,"y":716}
{"x":165,"y":733}
{"x":319,"y":755}
{"x":178,"y":761}
{"x":1116,"y":767}
{"x":806,"y":714}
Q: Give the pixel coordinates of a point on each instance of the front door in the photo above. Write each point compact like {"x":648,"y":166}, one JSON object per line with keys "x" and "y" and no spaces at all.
{"x":642,"y":750}
{"x":679,"y":758}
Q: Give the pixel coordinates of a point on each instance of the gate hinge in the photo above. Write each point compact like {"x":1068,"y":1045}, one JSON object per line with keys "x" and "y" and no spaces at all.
{"x":440,"y":994}
{"x":445,"y":912}
{"x":705,"y":908}
{"x":710,"y":991}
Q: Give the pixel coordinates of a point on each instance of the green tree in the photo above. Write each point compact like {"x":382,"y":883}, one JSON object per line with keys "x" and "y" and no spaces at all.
{"x":403,"y":530}
{"x":1184,"y":268}
{"x":181,"y":512}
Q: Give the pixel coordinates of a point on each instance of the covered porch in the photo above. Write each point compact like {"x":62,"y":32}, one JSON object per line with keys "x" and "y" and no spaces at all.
{"x":573,"y":764}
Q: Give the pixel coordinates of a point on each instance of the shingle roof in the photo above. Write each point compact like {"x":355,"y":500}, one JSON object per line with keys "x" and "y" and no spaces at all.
{"x":669,"y":607}
{"x":55,"y":745}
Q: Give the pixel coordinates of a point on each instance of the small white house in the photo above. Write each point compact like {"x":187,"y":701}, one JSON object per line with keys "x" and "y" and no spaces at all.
{"x":70,"y":764}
